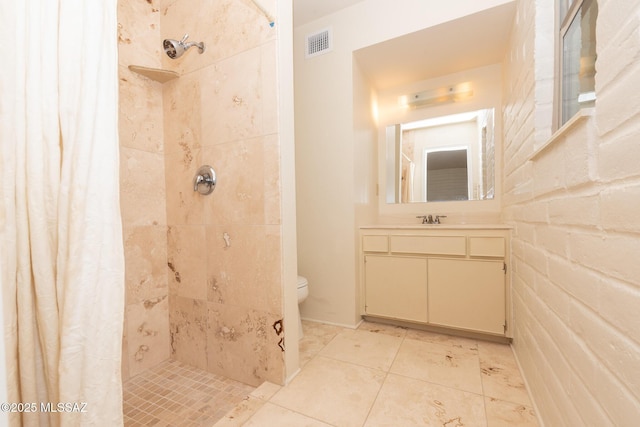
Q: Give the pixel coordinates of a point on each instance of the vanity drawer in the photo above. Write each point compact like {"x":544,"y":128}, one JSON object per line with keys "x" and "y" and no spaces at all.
{"x":434,"y":245}
{"x":375,"y":244}
{"x":487,"y":246}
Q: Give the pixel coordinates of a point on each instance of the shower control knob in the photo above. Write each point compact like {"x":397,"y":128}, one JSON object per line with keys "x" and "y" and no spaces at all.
{"x":205,"y":180}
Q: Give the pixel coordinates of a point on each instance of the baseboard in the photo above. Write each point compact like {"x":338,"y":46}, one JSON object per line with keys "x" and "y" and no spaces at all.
{"x":342,"y":325}
{"x":440,"y":329}
{"x":292,"y":376}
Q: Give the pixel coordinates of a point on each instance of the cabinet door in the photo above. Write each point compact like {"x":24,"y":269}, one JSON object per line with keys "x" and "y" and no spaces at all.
{"x":467,"y":294}
{"x":396,"y":287}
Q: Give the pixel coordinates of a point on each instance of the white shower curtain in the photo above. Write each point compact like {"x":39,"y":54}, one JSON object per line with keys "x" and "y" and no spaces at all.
{"x":61,"y":257}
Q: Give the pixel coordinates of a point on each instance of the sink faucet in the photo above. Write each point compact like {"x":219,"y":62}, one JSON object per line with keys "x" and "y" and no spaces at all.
{"x":426,"y":219}
{"x":437,"y":220}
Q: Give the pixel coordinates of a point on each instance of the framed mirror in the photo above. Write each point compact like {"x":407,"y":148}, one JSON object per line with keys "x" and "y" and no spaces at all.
{"x":441,"y":159}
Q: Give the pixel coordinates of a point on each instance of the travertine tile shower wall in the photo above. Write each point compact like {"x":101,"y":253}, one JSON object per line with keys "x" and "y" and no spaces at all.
{"x":143,"y":195}
{"x":224,"y":249}
{"x":203,"y":273}
{"x":576,"y":276}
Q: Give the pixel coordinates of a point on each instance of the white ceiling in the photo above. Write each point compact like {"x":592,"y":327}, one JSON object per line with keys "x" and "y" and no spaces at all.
{"x":305,"y":11}
{"x":470,"y":42}
{"x":462,"y":44}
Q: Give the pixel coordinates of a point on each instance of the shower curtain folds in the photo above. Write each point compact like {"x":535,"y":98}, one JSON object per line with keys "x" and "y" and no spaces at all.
{"x":61,"y":263}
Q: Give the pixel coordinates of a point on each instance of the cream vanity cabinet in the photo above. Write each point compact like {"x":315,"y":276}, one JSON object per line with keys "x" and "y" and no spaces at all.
{"x":453,"y":277}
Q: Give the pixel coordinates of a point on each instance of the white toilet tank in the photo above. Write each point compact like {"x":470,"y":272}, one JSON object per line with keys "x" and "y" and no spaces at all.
{"x":303,"y":288}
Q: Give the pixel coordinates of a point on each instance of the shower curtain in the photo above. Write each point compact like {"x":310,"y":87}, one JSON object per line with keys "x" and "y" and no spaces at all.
{"x":61,"y":257}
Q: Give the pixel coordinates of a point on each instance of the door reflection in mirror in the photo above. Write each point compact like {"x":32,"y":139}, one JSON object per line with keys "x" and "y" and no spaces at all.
{"x":445,"y":173}
{"x":441,"y":159}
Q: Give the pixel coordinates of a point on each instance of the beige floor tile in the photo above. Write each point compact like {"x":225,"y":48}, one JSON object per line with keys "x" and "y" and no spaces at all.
{"x":381,"y":328}
{"x":269,"y":413}
{"x":433,"y":337}
{"x":305,"y":357}
{"x":408,"y":402}
{"x":508,"y":414}
{"x":317,"y":335}
{"x":265,"y":391}
{"x":363,"y":348}
{"x":241,"y":413}
{"x":501,"y":378}
{"x":434,"y":380}
{"x":332,"y":391}
{"x":446,"y":365}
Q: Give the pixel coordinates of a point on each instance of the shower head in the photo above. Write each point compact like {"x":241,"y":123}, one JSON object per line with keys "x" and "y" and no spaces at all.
{"x":174,"y":48}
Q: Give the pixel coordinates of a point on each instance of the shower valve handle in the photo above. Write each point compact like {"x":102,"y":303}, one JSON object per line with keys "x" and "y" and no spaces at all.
{"x":199,"y":180}
{"x":205,"y":180}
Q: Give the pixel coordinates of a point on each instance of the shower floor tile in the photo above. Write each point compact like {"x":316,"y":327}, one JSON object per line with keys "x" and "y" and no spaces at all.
{"x":174,"y":394}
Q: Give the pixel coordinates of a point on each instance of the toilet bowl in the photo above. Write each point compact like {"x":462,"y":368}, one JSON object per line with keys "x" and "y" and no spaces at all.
{"x":303,"y":292}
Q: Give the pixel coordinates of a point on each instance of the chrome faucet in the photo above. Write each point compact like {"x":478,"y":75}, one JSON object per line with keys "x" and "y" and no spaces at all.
{"x":428,"y":219}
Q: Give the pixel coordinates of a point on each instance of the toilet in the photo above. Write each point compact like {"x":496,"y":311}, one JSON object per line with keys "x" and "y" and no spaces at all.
{"x":303,"y":292}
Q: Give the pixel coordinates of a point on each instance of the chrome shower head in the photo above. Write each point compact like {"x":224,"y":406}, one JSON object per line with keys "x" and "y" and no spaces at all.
{"x":175,"y":49}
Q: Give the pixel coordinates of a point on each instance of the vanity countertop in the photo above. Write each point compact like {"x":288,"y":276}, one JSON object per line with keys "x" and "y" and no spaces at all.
{"x":437,"y":227}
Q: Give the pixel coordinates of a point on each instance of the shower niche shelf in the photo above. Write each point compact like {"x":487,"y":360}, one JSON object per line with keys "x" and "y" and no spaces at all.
{"x":156,"y":74}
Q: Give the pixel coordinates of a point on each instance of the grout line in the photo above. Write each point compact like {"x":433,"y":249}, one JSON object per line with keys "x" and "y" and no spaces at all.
{"x":437,"y":384}
{"x":484,"y":396}
{"x":386,"y":375}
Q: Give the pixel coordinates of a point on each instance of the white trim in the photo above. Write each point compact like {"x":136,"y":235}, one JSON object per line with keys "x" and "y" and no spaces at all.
{"x":342,"y":325}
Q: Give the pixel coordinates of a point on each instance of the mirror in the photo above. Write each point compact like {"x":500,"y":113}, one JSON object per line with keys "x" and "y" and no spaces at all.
{"x":441,"y":159}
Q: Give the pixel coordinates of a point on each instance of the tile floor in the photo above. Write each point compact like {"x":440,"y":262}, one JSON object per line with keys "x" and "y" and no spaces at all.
{"x":377,"y":375}
{"x":176,"y":394}
{"x":382,"y":375}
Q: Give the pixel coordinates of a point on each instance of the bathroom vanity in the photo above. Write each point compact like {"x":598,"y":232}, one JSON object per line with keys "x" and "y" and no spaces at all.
{"x":454,"y":277}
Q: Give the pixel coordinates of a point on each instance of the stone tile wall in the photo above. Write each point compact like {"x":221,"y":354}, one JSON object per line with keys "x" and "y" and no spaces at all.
{"x":224,"y":249}
{"x":203,"y":273}
{"x":143,"y":193}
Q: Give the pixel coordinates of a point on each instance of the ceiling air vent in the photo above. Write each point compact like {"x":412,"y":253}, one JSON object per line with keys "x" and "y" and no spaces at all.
{"x":318,"y":43}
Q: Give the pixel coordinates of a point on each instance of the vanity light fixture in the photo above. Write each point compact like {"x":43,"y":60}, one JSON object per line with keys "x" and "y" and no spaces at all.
{"x":453,"y":93}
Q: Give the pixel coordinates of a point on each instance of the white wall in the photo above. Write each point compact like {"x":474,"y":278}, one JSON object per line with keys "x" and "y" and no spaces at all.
{"x":365,"y":163}
{"x":328,"y":194}
{"x":576,"y":276}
